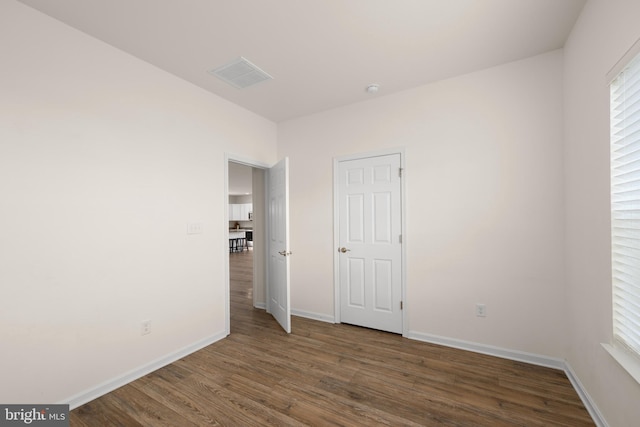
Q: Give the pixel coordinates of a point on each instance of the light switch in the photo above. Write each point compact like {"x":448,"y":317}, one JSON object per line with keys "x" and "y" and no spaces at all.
{"x":195,"y":228}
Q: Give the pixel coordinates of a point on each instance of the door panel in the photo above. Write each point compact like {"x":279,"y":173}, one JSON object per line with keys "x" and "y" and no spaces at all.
{"x":355,"y":218}
{"x":370,"y":223}
{"x":279,"y":304}
{"x":383,"y":285}
{"x":382,"y":218}
{"x":356,"y":283}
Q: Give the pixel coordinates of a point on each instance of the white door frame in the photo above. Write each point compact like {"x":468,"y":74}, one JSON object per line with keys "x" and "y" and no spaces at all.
{"x":227,"y":298}
{"x":336,"y":223}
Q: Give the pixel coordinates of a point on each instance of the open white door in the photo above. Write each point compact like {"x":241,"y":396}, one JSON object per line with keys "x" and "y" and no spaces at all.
{"x":278,"y":293}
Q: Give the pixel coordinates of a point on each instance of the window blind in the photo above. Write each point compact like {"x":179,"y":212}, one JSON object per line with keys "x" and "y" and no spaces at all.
{"x":625,"y":205}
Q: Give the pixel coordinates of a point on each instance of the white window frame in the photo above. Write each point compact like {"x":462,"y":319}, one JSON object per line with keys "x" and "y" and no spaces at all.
{"x":624,"y":86}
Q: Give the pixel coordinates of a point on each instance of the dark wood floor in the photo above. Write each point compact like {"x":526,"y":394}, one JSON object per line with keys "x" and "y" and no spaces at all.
{"x":333,"y":375}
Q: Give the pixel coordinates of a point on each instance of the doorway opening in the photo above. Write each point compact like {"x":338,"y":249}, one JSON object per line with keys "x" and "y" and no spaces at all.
{"x":246,"y":232}
{"x":265,"y":215}
{"x":240,"y":208}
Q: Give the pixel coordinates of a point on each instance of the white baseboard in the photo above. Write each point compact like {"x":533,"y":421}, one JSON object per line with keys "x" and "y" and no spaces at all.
{"x":593,"y":410}
{"x":314,"y":316}
{"x":535,"y":359}
{"x":520,"y":356}
{"x":307,"y":314}
{"x":110,"y":385}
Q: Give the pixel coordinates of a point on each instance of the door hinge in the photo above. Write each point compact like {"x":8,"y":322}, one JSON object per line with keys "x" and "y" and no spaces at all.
{"x":400,"y":238}
{"x":401,"y":305}
{"x":400,"y":172}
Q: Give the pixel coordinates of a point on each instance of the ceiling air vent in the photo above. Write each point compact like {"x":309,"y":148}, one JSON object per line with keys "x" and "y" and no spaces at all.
{"x":240,"y":73}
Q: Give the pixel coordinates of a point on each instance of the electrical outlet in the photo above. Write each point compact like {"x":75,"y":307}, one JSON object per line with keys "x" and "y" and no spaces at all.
{"x":145,"y":327}
{"x":481,"y":310}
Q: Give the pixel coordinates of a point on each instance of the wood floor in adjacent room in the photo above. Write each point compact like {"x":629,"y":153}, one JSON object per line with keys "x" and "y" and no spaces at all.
{"x":333,"y":375}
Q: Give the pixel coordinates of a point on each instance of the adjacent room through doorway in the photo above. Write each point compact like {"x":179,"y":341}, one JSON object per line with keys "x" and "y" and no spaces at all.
{"x":246,"y":222}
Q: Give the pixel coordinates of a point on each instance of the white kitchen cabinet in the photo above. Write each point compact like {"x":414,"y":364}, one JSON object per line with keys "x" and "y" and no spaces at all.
{"x":240,"y":211}
{"x":234,"y":212}
{"x":246,"y":209}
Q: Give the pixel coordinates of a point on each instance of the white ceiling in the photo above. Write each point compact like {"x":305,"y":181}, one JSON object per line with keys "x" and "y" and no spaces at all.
{"x":321,"y":53}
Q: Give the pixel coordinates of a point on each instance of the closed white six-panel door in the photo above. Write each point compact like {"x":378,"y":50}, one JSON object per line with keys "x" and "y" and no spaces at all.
{"x":370,"y":252}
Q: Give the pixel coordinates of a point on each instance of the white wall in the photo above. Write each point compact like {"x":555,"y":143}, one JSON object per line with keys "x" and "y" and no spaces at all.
{"x":603,"y":33}
{"x":104,"y":159}
{"x":484,"y":185}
